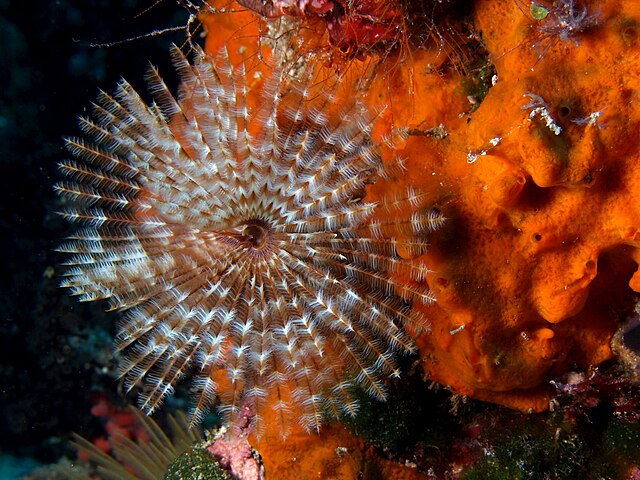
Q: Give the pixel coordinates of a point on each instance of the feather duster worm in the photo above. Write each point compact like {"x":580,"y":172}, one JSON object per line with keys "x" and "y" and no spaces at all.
{"x":229,"y":225}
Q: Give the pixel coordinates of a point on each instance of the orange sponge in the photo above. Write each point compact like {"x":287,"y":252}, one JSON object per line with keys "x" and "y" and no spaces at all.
{"x":538,"y":259}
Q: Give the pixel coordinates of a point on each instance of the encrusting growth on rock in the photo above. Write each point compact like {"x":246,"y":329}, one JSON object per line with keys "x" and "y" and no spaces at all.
{"x":228,"y":223}
{"x":538,"y":261}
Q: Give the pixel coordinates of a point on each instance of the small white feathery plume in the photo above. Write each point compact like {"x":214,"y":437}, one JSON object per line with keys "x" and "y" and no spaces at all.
{"x":238,"y":244}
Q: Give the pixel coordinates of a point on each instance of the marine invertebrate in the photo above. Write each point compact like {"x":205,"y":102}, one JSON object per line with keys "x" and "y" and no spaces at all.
{"x":277,"y":8}
{"x":561,"y":21}
{"x":565,"y":19}
{"x":539,"y":261}
{"x":119,"y":423}
{"x":540,"y":110}
{"x":142,"y":460}
{"x":339,"y":31}
{"x":229,"y":225}
{"x":352,"y":27}
{"x":336,"y":453}
{"x":548,"y":216}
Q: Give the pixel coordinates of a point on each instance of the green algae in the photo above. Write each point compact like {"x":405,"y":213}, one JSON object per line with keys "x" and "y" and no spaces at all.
{"x":196,"y":464}
{"x":532,"y":451}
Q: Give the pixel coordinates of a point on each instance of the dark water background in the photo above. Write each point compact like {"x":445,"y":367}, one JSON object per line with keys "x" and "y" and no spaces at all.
{"x":56,"y":354}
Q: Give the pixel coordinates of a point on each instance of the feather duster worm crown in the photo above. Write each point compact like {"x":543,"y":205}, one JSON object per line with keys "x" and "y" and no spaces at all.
{"x":237,"y":242}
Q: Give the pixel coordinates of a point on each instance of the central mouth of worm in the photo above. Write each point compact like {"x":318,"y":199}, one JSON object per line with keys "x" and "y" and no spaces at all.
{"x":255,"y":234}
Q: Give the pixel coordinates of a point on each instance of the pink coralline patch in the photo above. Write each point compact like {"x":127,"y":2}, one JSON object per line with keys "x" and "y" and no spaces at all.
{"x":233,"y":451}
{"x":236,"y":455}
